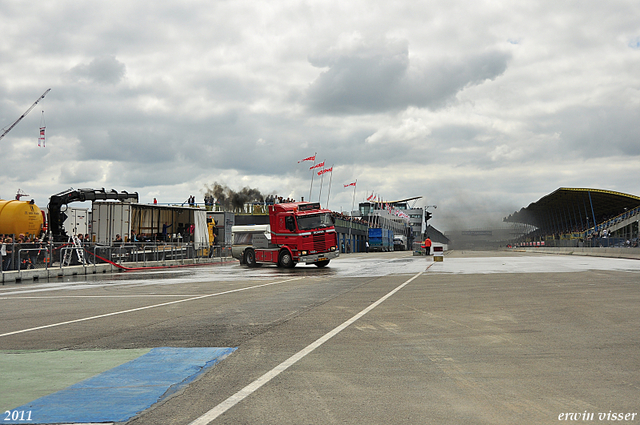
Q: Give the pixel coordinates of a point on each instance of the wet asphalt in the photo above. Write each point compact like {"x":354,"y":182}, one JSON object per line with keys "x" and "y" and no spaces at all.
{"x":481,"y":338}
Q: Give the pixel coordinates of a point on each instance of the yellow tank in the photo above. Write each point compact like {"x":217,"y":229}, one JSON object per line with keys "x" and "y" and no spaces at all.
{"x":18,"y":217}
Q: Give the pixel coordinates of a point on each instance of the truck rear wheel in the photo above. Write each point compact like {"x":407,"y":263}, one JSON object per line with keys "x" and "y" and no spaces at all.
{"x":323,"y":263}
{"x":286,"y":260}
{"x":250,"y":258}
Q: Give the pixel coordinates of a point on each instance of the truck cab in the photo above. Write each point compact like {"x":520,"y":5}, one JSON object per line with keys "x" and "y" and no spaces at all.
{"x":298,"y":232}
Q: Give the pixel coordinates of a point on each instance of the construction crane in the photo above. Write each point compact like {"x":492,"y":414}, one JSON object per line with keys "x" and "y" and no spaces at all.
{"x":24,"y":115}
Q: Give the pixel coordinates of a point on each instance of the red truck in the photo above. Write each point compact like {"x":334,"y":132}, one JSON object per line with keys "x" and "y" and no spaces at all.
{"x":298,"y":232}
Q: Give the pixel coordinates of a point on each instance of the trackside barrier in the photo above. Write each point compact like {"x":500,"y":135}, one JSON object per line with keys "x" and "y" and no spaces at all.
{"x":438,"y":252}
{"x":587,"y":252}
{"x":50,"y":260}
{"x":30,"y":260}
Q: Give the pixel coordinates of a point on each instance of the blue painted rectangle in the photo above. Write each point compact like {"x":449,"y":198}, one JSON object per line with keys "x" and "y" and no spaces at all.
{"x":120,"y":393}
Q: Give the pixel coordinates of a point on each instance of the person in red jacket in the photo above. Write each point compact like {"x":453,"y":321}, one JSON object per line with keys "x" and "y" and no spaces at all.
{"x":427,"y":246}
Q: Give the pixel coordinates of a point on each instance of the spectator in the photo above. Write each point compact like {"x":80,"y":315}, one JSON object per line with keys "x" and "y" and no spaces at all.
{"x":17,"y":246}
{"x":8,"y":262}
{"x":190,"y":230}
{"x":33,"y":254}
{"x":165,"y":228}
{"x":3,"y":251}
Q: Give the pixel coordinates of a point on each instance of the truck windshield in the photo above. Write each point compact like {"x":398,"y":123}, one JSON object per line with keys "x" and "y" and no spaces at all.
{"x":315,"y":221}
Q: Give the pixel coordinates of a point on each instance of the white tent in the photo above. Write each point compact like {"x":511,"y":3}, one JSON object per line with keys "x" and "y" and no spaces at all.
{"x":201,"y":231}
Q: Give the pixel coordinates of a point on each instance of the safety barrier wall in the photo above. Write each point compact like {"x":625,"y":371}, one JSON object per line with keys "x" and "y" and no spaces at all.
{"x":613,"y":242}
{"x":589,"y":252}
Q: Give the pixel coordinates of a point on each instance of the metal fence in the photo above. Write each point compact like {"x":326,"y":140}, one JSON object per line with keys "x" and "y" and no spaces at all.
{"x":23,"y":256}
{"x":589,"y":242}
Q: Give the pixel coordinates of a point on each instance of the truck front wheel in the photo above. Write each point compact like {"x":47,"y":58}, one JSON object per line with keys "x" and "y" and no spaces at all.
{"x":250,"y":258}
{"x":286,"y":260}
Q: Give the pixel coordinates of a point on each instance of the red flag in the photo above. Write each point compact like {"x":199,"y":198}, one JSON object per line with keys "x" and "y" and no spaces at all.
{"x":317,"y":165}
{"x":350,"y":184}
{"x":326,"y":170}
{"x":370,"y":197}
{"x":311,"y":158}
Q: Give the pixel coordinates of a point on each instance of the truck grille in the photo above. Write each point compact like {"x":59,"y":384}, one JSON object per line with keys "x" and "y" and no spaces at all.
{"x":319,"y":243}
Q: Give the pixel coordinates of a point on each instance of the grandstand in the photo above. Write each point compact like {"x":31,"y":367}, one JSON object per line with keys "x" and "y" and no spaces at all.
{"x":580,"y":217}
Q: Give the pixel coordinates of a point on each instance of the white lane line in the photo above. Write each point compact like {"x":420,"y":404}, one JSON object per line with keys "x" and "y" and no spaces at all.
{"x":115,"y":313}
{"x":97,"y":296}
{"x":252,"y":387}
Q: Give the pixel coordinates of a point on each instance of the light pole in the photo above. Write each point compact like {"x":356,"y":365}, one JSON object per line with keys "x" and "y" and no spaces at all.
{"x":427,"y":216}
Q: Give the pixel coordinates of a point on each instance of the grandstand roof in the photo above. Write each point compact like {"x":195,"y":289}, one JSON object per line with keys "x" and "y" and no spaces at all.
{"x":569,"y":209}
{"x":377,"y":201}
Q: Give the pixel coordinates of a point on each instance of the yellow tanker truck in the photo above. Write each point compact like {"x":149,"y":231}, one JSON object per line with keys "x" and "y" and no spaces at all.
{"x":20,"y":217}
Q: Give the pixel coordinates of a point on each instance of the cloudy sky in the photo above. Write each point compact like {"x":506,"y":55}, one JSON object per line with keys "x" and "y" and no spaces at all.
{"x":481,"y":107}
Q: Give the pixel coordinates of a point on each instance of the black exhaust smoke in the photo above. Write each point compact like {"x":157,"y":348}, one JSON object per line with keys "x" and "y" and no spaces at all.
{"x":231,"y":200}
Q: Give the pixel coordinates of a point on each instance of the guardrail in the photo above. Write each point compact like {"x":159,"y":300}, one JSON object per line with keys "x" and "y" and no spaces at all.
{"x":26,"y":256}
{"x":609,"y":242}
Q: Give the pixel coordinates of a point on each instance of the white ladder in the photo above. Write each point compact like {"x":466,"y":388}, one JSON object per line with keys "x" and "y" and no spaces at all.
{"x":77,"y":247}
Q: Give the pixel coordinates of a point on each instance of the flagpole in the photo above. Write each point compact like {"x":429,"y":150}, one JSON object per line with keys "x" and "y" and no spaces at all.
{"x":352,"y":206}
{"x":330,"y":179}
{"x":312,"y":172}
{"x":378,"y":204}
{"x":375,"y":201}
{"x":353,"y":202}
{"x":321,"y":183}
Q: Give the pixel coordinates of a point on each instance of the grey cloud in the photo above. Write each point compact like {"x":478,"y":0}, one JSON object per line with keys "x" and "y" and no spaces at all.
{"x":455,"y":135}
{"x":81,"y":172}
{"x":102,"y":70}
{"x":152,"y":174}
{"x":228,"y":89}
{"x":131,"y":145}
{"x":594,"y":132}
{"x":377,"y":80}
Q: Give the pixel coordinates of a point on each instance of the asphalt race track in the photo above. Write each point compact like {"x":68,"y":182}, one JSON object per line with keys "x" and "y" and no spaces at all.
{"x":481,"y":338}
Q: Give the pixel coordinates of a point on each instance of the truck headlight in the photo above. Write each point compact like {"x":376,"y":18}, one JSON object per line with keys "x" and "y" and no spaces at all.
{"x":333,"y":248}
{"x":303,"y":252}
